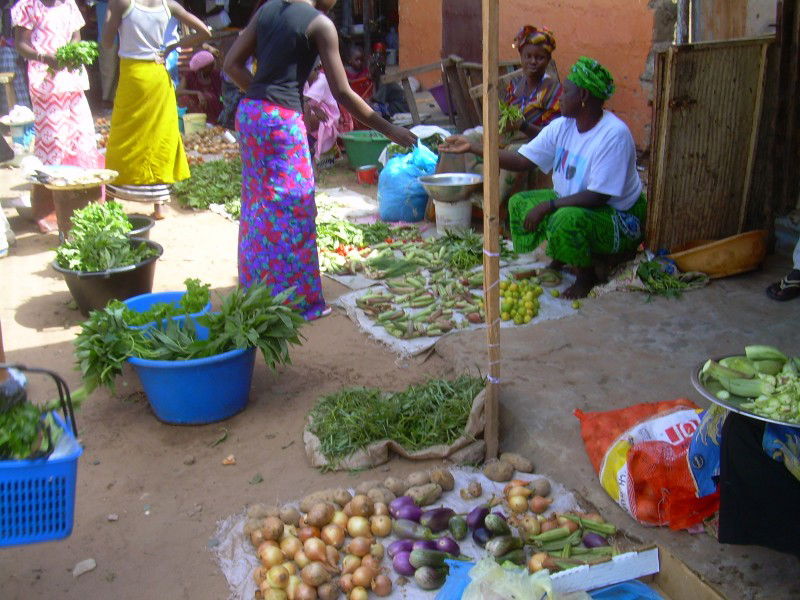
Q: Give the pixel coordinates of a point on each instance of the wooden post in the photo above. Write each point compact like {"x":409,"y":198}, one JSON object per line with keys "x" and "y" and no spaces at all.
{"x":491,"y":218}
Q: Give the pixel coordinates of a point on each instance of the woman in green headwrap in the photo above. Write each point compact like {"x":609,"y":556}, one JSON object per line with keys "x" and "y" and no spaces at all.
{"x":598,"y":205}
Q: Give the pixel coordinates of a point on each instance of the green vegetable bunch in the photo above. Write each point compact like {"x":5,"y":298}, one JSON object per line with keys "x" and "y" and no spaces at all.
{"x":75,"y":55}
{"x":22,"y":432}
{"x":193,"y":301}
{"x":432,"y":143}
{"x":247,"y":318}
{"x":510,"y":117}
{"x":659,"y":283}
{"x":332,"y":234}
{"x":464,"y":249}
{"x":435,"y":412}
{"x":97,"y":241}
{"x":214,"y":182}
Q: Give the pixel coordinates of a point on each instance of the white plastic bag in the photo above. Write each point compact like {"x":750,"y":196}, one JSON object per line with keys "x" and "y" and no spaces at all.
{"x":490,"y":581}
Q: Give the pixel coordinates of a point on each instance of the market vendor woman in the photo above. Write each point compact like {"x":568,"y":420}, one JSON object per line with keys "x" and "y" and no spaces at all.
{"x":598,"y":206}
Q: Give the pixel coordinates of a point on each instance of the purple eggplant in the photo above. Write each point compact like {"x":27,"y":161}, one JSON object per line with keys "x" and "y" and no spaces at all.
{"x":449,"y":545}
{"x":395,"y":504}
{"x":412,"y":512}
{"x":399,"y":546}
{"x":476,"y":517}
{"x":425,"y":545}
{"x":402,"y":564}
{"x":481,"y":535}
{"x":594,"y":540}
{"x":403,"y":528}
{"x":436,"y":518}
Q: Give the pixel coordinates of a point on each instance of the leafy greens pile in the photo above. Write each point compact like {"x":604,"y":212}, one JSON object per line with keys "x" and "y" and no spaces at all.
{"x":21,"y":432}
{"x":97,"y":240}
{"x":332,"y":234}
{"x":435,"y":412}
{"x":464,"y":249}
{"x":193,"y":301}
{"x":214,"y":182}
{"x":75,"y":55}
{"x":247,"y":318}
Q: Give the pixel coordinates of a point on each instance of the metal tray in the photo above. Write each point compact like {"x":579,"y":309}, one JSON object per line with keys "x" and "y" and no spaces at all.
{"x":731,"y":405}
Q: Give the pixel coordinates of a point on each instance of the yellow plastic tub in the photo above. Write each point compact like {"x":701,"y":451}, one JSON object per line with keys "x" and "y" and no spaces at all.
{"x":722,"y":258}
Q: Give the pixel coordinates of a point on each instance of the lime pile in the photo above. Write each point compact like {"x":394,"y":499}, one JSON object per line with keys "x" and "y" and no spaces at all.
{"x":520,"y":301}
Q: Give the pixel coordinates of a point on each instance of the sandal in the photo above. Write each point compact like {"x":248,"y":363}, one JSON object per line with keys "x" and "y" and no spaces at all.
{"x":787,"y":288}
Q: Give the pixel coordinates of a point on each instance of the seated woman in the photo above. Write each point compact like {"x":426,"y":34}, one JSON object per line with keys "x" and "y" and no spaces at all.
{"x":536,"y":94}
{"x":201,"y":87}
{"x":598,"y":206}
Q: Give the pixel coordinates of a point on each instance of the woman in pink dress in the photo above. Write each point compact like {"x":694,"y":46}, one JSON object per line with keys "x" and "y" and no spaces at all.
{"x":62,"y":119}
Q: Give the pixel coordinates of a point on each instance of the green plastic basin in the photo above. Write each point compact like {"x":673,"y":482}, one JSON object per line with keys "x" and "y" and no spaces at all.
{"x":363,"y":147}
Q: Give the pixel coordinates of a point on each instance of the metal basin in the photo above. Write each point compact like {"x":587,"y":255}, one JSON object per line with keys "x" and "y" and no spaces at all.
{"x":451,"y":187}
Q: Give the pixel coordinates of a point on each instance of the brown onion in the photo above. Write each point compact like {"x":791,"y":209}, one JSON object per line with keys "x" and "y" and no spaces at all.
{"x":377,"y":550}
{"x":306,"y":592}
{"x":290,"y":566}
{"x":328,"y":591}
{"x":314,"y":574}
{"x":549,"y":524}
{"x":358,"y":593}
{"x":308,"y":532}
{"x":271,"y":556}
{"x":291,"y":588}
{"x":301,"y":559}
{"x":358,"y":527}
{"x":565,"y":522}
{"x":332,"y":556}
{"x":278,"y":577}
{"x":539,"y":504}
{"x":340,"y":519}
{"x":371,"y":562}
{"x":362,"y":506}
{"x":350,"y":563}
{"x":381,"y":509}
{"x":272,"y":528}
{"x":256,"y":538}
{"x":380,"y":526}
{"x":260,"y":573}
{"x":359,"y":546}
{"x":382,"y":586}
{"x":333,"y":535}
{"x":291,"y":546}
{"x":363,"y":576}
{"x":346,"y":583}
{"x":315,"y":549}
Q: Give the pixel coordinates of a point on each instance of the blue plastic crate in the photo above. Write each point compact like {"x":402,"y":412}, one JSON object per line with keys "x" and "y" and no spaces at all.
{"x":37,"y":497}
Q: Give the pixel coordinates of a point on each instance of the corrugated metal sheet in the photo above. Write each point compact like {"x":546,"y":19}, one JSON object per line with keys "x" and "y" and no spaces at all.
{"x":708,"y":113}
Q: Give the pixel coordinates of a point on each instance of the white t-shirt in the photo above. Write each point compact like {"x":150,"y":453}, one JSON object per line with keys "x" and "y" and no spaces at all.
{"x":601,"y":160}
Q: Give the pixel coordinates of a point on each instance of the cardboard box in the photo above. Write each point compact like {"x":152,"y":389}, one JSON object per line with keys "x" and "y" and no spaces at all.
{"x":656,"y":566}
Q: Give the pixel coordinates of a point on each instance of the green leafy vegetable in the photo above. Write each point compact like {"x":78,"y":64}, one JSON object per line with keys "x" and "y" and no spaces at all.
{"x":332,"y":234}
{"x":75,"y":55}
{"x":95,"y":216}
{"x":464,"y":249}
{"x":214,"y":182}
{"x":247,"y":318}
{"x":424,"y":415}
{"x":431,"y":142}
{"x":193,"y":301}
{"x":22,"y":431}
{"x":659,"y":283}
{"x":510,"y":117}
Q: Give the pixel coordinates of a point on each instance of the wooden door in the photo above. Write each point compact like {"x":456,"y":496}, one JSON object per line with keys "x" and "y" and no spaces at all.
{"x":461,"y":29}
{"x":708,"y":112}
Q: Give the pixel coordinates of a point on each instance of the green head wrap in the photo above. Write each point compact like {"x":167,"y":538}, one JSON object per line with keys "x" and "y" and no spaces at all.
{"x":592,"y":76}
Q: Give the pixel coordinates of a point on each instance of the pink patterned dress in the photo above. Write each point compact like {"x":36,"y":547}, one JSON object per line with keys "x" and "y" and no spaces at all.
{"x":62,"y":118}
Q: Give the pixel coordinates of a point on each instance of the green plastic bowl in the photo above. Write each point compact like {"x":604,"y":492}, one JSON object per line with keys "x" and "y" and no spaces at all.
{"x":363,"y":147}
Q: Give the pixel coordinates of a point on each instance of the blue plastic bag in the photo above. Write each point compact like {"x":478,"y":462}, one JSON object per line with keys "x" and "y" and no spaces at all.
{"x":401,"y":196}
{"x":629,"y":590}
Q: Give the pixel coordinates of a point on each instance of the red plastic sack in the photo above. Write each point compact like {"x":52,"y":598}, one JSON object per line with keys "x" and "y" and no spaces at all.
{"x":640,"y":454}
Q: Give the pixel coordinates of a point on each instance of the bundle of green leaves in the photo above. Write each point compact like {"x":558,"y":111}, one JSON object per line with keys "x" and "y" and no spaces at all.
{"x":193,"y":301}
{"x":98,"y":241}
{"x":213,"y":182}
{"x":22,"y":431}
{"x":75,"y":55}
{"x":247,"y":318}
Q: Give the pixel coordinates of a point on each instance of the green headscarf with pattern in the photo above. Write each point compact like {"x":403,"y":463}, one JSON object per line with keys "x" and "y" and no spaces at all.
{"x":592,"y":76}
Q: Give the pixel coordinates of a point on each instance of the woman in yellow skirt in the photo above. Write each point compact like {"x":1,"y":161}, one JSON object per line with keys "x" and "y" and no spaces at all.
{"x":144,"y":144}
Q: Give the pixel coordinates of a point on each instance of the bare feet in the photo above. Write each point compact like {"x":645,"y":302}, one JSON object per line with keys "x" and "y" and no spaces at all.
{"x":585,"y":281}
{"x":47,"y":224}
{"x":158,"y":211}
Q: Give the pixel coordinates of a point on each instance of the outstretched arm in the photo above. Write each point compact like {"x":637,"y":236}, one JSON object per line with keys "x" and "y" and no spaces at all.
{"x":510,"y":161}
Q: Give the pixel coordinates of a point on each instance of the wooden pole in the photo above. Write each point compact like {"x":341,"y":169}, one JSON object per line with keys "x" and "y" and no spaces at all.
{"x":491,"y":220}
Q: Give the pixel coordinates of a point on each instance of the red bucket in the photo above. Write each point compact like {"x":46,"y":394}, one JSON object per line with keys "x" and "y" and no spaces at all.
{"x":367,"y":175}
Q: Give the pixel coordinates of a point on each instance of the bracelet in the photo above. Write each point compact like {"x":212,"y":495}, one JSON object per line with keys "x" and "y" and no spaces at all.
{"x":552,"y":205}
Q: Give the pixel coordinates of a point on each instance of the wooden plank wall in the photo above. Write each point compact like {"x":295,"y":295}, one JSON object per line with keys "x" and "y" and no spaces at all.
{"x":786,"y":149}
{"x":704,"y":140}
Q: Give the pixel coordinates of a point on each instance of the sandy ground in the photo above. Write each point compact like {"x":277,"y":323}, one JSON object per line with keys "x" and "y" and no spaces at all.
{"x":169,"y":488}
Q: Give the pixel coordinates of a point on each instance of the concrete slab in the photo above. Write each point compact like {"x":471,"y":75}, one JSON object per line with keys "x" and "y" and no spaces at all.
{"x":620,"y":350}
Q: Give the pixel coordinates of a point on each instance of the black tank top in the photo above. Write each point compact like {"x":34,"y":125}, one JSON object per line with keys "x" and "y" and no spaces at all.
{"x":284,"y":54}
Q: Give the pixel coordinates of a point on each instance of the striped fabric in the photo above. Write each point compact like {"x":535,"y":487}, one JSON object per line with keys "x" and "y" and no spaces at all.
{"x":154,"y":194}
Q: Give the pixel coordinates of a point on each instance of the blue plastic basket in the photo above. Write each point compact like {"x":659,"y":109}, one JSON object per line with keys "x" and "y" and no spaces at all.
{"x":202,"y":390}
{"x":37,"y":497}
{"x":144,"y":302}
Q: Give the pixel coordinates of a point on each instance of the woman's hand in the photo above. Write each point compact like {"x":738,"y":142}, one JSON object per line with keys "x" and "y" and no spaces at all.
{"x":456,"y":144}
{"x":535,"y":216}
{"x":402,"y":136}
{"x":50,"y":61}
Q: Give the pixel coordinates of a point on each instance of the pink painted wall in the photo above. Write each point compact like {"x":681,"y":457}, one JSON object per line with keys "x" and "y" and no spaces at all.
{"x":618,"y":33}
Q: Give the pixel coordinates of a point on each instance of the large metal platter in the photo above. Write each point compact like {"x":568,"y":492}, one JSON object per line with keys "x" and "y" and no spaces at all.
{"x":731,"y":405}
{"x":65,"y":177}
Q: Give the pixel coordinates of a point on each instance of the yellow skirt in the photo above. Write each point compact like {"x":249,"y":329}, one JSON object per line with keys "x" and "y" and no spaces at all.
{"x":144,"y":144}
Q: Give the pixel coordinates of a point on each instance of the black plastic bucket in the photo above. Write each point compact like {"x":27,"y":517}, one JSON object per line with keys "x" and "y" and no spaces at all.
{"x":141,"y":226}
{"x":92,"y":291}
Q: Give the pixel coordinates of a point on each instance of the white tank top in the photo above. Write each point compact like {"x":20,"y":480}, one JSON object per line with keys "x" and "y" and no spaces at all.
{"x":141,"y":31}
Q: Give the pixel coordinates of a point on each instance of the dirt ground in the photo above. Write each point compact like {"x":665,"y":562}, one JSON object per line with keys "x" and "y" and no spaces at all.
{"x":167,"y":483}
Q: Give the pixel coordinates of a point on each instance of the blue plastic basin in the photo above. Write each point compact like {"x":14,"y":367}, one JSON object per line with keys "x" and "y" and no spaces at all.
{"x":144,"y":302}
{"x":202,"y":390}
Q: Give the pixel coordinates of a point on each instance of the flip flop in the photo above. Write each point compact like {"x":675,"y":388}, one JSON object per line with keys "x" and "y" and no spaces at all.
{"x":787,"y":288}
